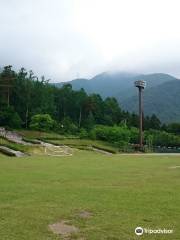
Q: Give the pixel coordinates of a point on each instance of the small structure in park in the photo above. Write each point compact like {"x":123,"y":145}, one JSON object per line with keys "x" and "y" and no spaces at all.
{"x":140,"y":84}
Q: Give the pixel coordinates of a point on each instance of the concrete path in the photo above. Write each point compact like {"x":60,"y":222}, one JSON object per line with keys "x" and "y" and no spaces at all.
{"x":13,"y":136}
{"x":11,"y":152}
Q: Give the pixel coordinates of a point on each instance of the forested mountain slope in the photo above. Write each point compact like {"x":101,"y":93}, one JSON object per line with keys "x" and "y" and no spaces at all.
{"x":162,"y":90}
{"x":163,"y":100}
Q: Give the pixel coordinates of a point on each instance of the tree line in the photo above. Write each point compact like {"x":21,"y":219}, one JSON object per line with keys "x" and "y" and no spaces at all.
{"x":30,"y":95}
{"x":29,"y":102}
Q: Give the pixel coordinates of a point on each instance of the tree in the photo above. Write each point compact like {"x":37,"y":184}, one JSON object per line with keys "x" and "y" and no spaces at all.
{"x":9,"y":118}
{"x":112,"y":111}
{"x":6,"y":83}
{"x":80,"y":97}
{"x":67,"y":126}
{"x":133,"y":120}
{"x":42,"y":122}
{"x":155,"y":123}
{"x":174,"y":128}
{"x":89,"y":122}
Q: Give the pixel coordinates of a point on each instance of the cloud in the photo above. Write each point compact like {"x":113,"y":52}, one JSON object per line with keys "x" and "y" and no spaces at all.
{"x":64,"y":38}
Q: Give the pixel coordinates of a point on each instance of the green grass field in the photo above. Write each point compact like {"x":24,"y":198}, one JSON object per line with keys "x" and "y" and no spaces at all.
{"x":121,"y":192}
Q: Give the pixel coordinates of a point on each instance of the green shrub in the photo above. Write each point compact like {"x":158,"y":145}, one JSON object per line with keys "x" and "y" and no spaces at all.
{"x":92,"y":134}
{"x":162,"y":138}
{"x":42,"y":122}
{"x":117,"y":135}
{"x":134,"y":135}
{"x":67,"y":126}
{"x":83,"y":133}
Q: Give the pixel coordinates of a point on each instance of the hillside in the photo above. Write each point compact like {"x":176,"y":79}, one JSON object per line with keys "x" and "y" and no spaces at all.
{"x":119,"y":84}
{"x":152,"y":80}
{"x":164,"y":101}
{"x":162,"y":90}
{"x":106,"y":84}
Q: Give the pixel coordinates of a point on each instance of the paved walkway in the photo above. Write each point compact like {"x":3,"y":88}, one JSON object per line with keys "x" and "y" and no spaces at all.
{"x":13,"y":136}
{"x":11,"y":152}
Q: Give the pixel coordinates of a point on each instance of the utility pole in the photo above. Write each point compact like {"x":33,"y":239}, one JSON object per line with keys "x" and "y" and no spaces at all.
{"x":140,"y":85}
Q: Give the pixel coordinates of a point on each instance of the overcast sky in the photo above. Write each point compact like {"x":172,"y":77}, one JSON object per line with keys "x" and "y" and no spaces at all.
{"x":65,"y":39}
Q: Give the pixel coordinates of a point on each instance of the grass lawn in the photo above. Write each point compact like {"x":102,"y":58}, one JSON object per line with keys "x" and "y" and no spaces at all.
{"x":121,"y":192}
{"x":43,"y":135}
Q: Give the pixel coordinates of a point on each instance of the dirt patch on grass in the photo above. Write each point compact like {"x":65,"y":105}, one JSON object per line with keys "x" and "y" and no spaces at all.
{"x":173,"y":167}
{"x":85,"y":214}
{"x":101,"y":151}
{"x":63,"y":228}
{"x":55,"y":150}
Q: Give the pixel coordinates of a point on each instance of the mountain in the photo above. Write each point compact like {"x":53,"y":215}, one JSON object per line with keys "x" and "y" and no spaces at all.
{"x":163,"y":100}
{"x":106,"y":84}
{"x":152,"y":80}
{"x":117,"y":84}
{"x":76,"y":84}
{"x":159,"y":92}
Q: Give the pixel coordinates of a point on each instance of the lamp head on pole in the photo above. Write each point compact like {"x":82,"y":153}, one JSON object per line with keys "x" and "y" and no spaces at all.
{"x":140,"y":84}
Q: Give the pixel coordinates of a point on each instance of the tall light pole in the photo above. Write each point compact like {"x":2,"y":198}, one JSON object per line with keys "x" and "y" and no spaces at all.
{"x":140,"y":85}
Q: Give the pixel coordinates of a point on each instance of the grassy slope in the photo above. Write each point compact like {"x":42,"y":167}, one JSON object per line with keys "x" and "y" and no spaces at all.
{"x":85,"y":143}
{"x":72,"y":141}
{"x":23,"y":148}
{"x":37,"y":134}
{"x":122,"y":192}
{"x":15,"y":146}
